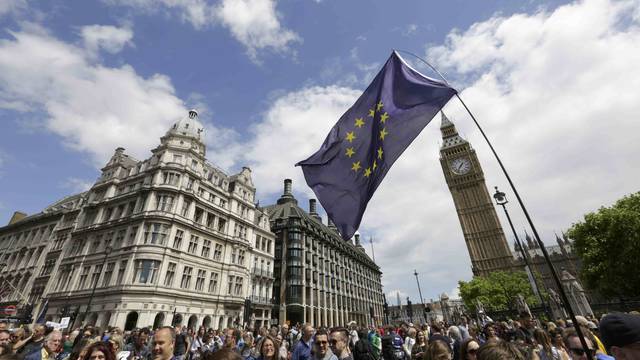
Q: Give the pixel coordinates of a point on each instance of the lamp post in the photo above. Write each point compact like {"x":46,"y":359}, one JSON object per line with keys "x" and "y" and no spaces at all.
{"x":501,"y":199}
{"x":107,"y":251}
{"x":415,"y":273}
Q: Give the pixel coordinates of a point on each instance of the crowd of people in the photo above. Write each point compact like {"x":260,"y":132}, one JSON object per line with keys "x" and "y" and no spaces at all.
{"x":615,"y":336}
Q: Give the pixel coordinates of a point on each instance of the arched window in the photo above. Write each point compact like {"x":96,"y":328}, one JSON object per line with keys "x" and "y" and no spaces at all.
{"x":131,"y":322}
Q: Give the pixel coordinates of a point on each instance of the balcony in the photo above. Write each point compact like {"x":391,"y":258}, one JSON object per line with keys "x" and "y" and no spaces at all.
{"x":260,"y":300}
{"x":259,"y":272}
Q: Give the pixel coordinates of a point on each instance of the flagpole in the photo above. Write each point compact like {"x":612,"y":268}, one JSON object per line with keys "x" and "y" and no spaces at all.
{"x":565,"y":299}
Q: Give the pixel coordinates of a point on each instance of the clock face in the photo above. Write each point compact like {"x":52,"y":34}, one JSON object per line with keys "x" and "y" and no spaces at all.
{"x":460,"y":166}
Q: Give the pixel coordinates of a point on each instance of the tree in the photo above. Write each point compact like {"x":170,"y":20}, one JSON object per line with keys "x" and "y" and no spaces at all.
{"x":497,"y":291}
{"x":608,"y":243}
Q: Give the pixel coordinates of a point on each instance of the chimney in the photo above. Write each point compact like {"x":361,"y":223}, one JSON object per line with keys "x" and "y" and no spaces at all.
{"x":287,"y":196}
{"x":312,"y":207}
{"x":331,"y":225}
{"x":357,"y":237}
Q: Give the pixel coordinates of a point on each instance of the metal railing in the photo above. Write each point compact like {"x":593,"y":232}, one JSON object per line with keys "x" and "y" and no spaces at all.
{"x":262,"y":272}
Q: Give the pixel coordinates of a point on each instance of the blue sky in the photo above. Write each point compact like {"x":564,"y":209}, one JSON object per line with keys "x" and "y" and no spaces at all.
{"x":80,"y":78}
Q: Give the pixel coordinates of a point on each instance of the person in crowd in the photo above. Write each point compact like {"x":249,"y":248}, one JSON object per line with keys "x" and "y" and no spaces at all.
{"x":558,"y":343}
{"x":418,"y":350}
{"x":544,"y":348}
{"x":248,"y":347}
{"x":139,"y":349}
{"x":436,"y":334}
{"x":469,"y":349}
{"x":34,"y":342}
{"x":117,"y":345}
{"x":621,"y":335}
{"x":268,"y":348}
{"x":587,"y":331}
{"x":321,"y":346}
{"x":489,"y":333}
{"x":181,"y":343}
{"x":456,"y":338}
{"x":575,"y":348}
{"x":302,"y":350}
{"x":339,"y":344}
{"x":464,"y":328}
{"x":524,"y":332}
{"x":376,"y":342}
{"x":409,"y":341}
{"x":499,"y":350}
{"x":51,"y":346}
{"x":98,"y":350}
{"x":197,"y":341}
{"x":353,"y":334}
{"x":164,"y":341}
{"x":438,"y":350}
{"x":224,"y":354}
{"x":5,"y":337}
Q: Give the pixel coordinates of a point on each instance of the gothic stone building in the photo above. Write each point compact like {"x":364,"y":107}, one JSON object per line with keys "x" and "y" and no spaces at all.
{"x":171,"y":239}
{"x":320,"y":278}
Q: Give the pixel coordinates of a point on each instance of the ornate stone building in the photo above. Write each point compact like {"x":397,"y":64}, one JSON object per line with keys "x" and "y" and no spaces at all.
{"x":171,"y":239}
{"x":483,"y":234}
{"x":320,"y":278}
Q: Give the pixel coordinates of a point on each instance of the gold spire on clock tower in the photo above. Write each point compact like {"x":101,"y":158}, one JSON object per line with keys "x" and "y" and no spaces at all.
{"x":481,"y":228}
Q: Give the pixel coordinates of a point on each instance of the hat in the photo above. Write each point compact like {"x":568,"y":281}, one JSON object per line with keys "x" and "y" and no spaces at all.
{"x":592,"y":326}
{"x":620,"y":330}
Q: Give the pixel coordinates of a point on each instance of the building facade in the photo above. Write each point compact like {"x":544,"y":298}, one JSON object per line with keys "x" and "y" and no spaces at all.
{"x":171,"y":239}
{"x":320,"y":278}
{"x":483,"y":234}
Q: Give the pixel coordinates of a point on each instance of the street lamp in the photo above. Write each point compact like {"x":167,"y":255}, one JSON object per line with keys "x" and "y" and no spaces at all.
{"x":415,"y":273}
{"x":501,"y":199}
{"x":107,"y":251}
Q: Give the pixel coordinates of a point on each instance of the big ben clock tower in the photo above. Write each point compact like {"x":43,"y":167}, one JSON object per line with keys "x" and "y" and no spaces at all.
{"x":481,"y":228}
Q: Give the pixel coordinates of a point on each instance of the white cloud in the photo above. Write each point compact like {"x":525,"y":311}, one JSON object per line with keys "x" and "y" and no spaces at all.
{"x":110,"y":38}
{"x":12,"y":6}
{"x":254,"y":23}
{"x":77,"y":185}
{"x":94,"y":108}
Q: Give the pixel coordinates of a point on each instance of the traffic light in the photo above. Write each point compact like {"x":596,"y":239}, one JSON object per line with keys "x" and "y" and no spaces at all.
{"x":248,"y":311}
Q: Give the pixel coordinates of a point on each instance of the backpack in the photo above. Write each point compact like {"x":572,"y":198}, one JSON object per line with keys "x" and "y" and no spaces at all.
{"x":363,"y":351}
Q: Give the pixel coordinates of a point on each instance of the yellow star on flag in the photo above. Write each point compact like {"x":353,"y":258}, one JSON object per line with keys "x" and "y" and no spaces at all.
{"x":383,"y":133}
{"x":359,"y":122}
{"x":379,"y":106}
{"x":375,"y":164}
{"x":350,"y":152}
{"x":380,"y":152}
{"x":384,"y":117}
{"x":355,"y":166}
{"x":367,"y":172}
{"x":372,"y":113}
{"x":351,"y":136}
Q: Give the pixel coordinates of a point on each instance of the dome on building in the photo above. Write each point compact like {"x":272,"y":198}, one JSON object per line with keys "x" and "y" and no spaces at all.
{"x":188,"y":126}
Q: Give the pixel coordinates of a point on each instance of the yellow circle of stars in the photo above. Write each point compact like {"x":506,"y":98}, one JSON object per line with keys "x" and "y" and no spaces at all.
{"x":356,"y":165}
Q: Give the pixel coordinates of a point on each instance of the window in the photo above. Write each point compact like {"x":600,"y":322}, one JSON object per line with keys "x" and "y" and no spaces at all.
{"x":212,"y":197}
{"x":171,"y":273}
{"x":131,"y":208}
{"x":177,"y":240}
{"x":132,"y":235}
{"x":202,"y":193}
{"x":186,"y":204}
{"x":240,"y":257}
{"x":107,"y":274}
{"x":121,"y":270}
{"x":96,"y":275}
{"x":107,"y":214}
{"x":189,"y":183}
{"x":119,"y":239}
{"x":186,"y":277}
{"x":170,"y":178}
{"x":213,"y":282}
{"x":200,"y":280}
{"x":177,"y":158}
{"x":217,"y":253}
{"x":206,"y":248}
{"x":230,"y":288}
{"x":146,"y":271}
{"x":210,"y":220}
{"x":83,"y":277}
{"x":164,"y":202}
{"x":194,"y":165}
{"x":223,"y":203}
{"x":143,"y":200}
{"x":193,"y":244}
{"x":221,"y":224}
{"x":155,"y":233}
{"x":238,"y":287}
{"x":233,"y":256}
{"x":198,"y":216}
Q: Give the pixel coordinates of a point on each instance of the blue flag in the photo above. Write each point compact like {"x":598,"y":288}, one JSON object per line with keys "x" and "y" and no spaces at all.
{"x":369,"y":137}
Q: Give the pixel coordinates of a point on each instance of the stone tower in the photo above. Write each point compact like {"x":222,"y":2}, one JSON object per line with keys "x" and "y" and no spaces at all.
{"x":481,"y":228}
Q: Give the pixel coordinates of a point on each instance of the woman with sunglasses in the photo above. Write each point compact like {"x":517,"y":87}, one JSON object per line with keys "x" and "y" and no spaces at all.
{"x":469,"y":349}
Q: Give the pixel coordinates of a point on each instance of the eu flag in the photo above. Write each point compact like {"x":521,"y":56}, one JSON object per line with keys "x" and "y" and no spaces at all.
{"x":369,"y":137}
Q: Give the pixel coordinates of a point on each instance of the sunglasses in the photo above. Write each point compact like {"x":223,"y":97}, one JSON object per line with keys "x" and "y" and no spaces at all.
{"x":322,"y":342}
{"x":472,"y":351}
{"x":580,"y":351}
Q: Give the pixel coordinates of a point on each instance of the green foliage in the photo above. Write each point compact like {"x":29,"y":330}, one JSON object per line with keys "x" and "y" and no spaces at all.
{"x":608,"y":242}
{"x":497,"y":291}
